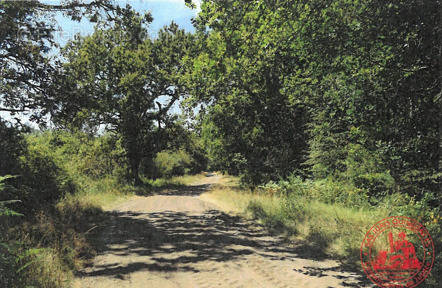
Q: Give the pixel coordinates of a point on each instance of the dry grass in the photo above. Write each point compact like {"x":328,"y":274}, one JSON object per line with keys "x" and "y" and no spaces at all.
{"x":47,"y":270}
{"x":333,"y":229}
{"x":54,"y":243}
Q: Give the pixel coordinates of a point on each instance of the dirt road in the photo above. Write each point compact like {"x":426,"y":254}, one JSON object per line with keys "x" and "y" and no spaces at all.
{"x":178,"y":240}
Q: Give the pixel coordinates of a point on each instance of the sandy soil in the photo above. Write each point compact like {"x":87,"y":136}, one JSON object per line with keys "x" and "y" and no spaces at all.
{"x":178,"y":240}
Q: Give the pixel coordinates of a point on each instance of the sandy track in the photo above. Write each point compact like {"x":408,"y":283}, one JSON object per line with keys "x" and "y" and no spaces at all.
{"x":178,"y":240}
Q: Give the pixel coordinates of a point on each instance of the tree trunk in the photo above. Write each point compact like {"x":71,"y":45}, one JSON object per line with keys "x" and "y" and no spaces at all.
{"x":135,"y":164}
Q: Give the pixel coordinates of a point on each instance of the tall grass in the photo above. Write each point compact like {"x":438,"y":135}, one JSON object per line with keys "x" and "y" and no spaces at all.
{"x":307,"y":214}
{"x":78,"y":176}
{"x":332,"y":228}
{"x":87,"y":176}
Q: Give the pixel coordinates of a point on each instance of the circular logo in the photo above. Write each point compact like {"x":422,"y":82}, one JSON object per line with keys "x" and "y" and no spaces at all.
{"x":397,"y":252}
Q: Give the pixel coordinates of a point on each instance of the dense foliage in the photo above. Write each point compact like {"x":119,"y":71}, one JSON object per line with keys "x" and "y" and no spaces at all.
{"x":341,"y":89}
{"x":52,"y":172}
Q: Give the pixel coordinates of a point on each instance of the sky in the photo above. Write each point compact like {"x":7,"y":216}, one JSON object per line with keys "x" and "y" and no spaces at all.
{"x":163,"y":12}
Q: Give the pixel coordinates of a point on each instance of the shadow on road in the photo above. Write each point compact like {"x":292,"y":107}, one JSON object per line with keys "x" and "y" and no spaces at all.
{"x":183,"y":190}
{"x":176,"y":241}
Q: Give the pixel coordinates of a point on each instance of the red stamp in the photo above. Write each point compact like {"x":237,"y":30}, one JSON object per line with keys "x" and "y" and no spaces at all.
{"x":397,"y":252}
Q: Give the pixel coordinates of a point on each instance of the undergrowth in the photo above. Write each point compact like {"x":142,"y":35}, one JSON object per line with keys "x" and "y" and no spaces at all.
{"x":80,"y":176}
{"x":324,"y":221}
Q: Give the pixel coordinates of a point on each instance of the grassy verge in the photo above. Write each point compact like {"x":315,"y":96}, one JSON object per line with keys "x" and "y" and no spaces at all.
{"x":61,"y":183}
{"x":327,"y":229}
{"x":46,"y":250}
{"x":331,"y":228}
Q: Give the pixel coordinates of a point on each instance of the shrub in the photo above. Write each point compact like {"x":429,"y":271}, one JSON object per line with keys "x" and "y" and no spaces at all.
{"x":7,"y":259}
{"x":365,"y":170}
{"x":326,"y":190}
{"x":12,"y":145}
{"x":172,"y":163}
{"x":50,"y":170}
{"x":83,"y":155}
{"x":38,"y":180}
{"x":425,"y":213}
{"x":42,"y":181}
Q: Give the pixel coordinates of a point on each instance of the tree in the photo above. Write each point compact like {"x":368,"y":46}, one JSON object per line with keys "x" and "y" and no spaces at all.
{"x":27,"y":35}
{"x":350,"y":78}
{"x":375,"y":69}
{"x":120,"y":78}
{"x":240,"y":73}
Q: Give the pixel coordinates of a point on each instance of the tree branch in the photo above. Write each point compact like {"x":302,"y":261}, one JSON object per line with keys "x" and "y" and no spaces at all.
{"x":61,"y":7}
{"x":12,"y":110}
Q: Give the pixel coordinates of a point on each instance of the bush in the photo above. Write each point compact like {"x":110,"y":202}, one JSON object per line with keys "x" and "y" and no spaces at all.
{"x":83,"y":155}
{"x":171,"y":163}
{"x":38,"y":181}
{"x":7,"y":259}
{"x":365,"y":170}
{"x":12,"y":145}
{"x":51,"y":169}
{"x":42,"y":182}
{"x":428,"y":215}
{"x":325,"y":190}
